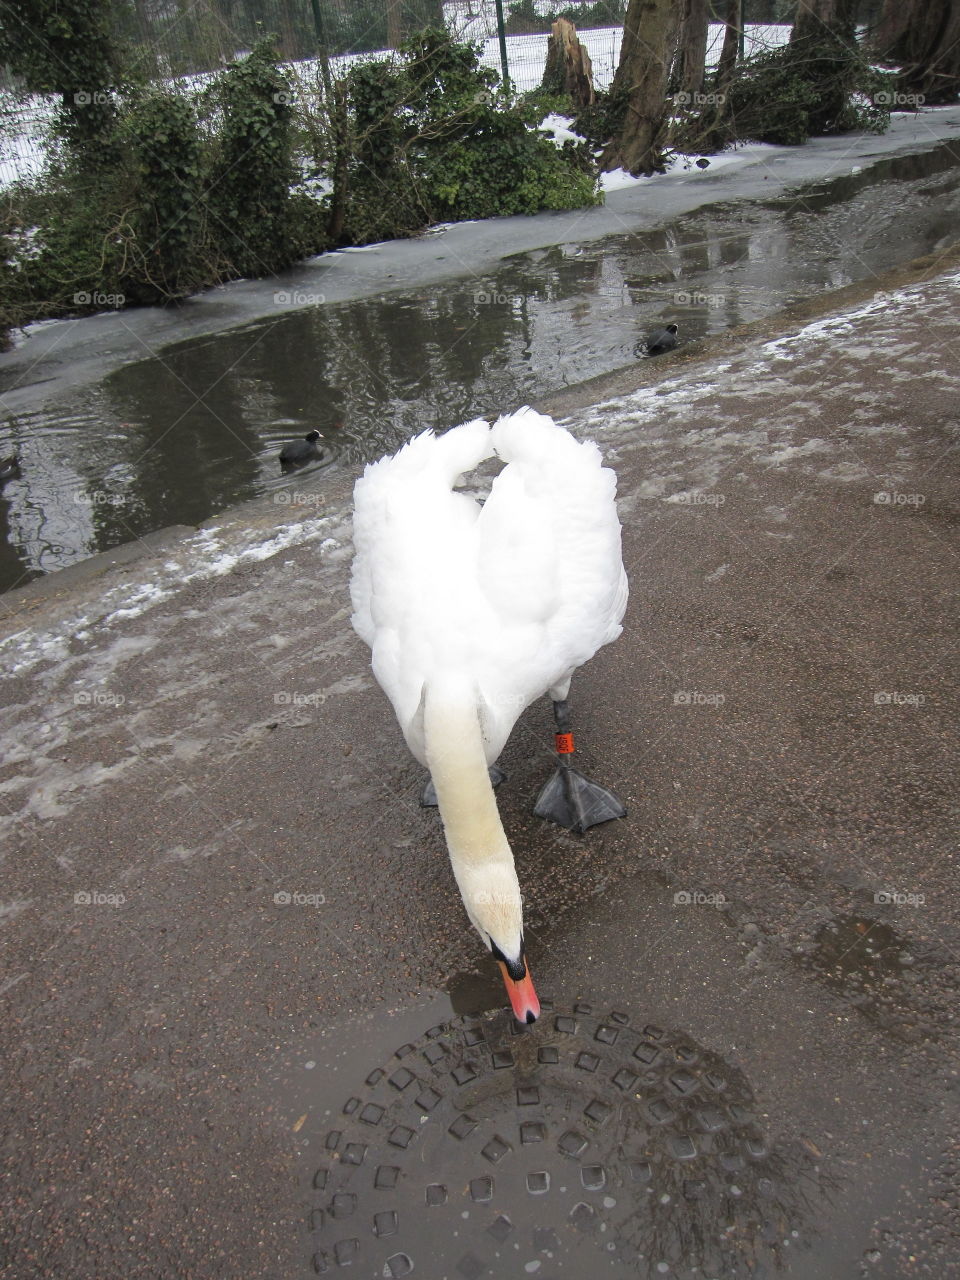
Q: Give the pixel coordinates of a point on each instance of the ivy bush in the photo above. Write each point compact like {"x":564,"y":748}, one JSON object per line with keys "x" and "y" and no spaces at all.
{"x":186,"y":200}
{"x":67,"y":47}
{"x":253,"y":169}
{"x":808,"y":88}
{"x":189,"y":189}
{"x":165,"y":158}
{"x":433,"y":138}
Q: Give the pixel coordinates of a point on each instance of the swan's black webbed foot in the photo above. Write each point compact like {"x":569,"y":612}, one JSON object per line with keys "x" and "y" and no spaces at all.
{"x":568,"y":798}
{"x":428,"y":796}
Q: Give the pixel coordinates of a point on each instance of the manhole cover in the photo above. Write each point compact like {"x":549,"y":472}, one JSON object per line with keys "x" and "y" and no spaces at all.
{"x":579,"y":1145}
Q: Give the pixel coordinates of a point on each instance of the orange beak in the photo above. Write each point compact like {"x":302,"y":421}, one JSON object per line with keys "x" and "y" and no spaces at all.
{"x":523,"y":998}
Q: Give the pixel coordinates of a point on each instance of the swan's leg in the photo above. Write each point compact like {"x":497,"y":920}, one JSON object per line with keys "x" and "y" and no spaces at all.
{"x":428,"y":796}
{"x":568,"y":798}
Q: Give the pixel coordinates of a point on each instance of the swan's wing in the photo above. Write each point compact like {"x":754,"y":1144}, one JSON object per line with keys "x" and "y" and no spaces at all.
{"x":402,"y":504}
{"x":549,"y":559}
{"x":512,"y":598}
{"x":412,"y":571}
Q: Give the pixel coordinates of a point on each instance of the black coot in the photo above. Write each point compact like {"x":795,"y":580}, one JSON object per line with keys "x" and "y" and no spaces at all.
{"x":301,"y":450}
{"x":662,"y":340}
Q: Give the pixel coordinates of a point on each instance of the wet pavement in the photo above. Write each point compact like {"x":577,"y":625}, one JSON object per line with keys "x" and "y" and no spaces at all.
{"x":188,"y":428}
{"x":247,"y":1030}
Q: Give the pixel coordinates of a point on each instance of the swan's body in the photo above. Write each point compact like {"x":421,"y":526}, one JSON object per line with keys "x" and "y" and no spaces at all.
{"x":474,"y":612}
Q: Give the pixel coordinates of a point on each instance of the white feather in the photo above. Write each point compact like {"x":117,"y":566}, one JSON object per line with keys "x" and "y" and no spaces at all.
{"x":501,"y":602}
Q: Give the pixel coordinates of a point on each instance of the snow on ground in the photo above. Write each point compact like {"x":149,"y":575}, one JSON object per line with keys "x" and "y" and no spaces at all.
{"x":22,"y":146}
{"x":477,"y":20}
{"x":211,"y":553}
{"x":680,"y":165}
{"x":560,"y":130}
{"x":526,"y":55}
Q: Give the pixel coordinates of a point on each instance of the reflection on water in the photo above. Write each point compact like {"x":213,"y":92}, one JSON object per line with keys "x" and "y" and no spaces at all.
{"x":175,"y":439}
{"x":580,"y":1145}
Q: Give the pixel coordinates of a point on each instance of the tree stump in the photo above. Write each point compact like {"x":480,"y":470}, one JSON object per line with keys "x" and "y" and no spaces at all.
{"x":569,"y":70}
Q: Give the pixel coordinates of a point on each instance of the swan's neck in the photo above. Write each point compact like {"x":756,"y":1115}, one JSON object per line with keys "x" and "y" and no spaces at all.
{"x":458,"y":766}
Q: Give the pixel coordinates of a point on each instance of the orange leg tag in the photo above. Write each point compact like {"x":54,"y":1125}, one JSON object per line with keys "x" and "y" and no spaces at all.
{"x":564,"y":744}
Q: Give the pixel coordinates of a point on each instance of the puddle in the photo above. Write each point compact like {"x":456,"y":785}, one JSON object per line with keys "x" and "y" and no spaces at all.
{"x":878,"y":973}
{"x":857,"y":952}
{"x":174,"y":440}
{"x":476,"y":993}
{"x":582,"y":1144}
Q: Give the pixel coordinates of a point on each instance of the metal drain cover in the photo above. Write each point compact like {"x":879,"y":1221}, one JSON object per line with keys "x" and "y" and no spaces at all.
{"x":581,"y":1144}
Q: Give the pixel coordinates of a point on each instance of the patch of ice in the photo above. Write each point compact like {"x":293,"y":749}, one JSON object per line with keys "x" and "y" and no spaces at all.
{"x":788,"y":452}
{"x":834,"y":326}
{"x":717,"y":573}
{"x":206,"y":555}
{"x":10,"y":910}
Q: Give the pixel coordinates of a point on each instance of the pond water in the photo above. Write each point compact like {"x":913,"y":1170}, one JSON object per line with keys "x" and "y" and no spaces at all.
{"x":179,"y":437}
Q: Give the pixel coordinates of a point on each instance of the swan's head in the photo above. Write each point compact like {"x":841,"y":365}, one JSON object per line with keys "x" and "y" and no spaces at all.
{"x":495,"y":907}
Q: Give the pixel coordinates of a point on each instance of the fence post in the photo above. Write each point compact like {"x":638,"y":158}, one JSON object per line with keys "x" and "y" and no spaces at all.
{"x":503,"y":46}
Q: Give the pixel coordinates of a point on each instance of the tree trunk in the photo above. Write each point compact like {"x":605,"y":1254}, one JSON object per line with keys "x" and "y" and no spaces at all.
{"x":640,"y":86}
{"x":569,"y":70}
{"x":689,"y":67}
{"x":817,"y":18}
{"x":731,"y":44}
{"x":394,"y":24}
{"x":340,"y":128}
{"x":924,"y":37}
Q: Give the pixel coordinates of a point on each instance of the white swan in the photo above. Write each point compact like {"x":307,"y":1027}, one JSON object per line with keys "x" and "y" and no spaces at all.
{"x":472,"y":612}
